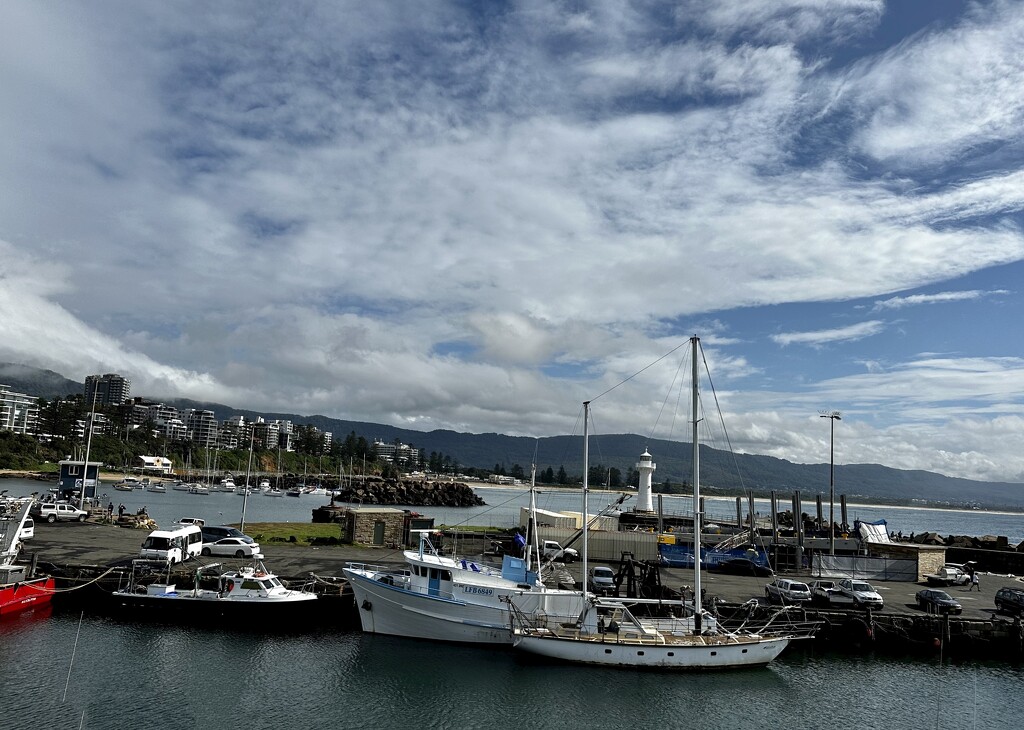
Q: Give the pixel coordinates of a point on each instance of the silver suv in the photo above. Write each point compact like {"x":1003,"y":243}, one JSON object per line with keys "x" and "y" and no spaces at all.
{"x":785,"y":590}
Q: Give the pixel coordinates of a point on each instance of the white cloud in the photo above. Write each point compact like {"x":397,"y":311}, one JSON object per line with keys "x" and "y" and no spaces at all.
{"x":475,"y":223}
{"x":939,"y":298}
{"x":851,"y":332}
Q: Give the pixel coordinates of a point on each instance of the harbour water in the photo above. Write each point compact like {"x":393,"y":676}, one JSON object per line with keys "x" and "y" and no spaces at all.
{"x":142,"y":676}
{"x":503,"y":506}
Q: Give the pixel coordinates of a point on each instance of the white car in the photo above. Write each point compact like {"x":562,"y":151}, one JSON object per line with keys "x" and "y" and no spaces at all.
{"x":862,"y":593}
{"x":233,"y":547}
{"x":785,"y":590}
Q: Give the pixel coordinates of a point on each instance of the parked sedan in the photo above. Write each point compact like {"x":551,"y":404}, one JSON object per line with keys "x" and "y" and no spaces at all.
{"x":234,"y":547}
{"x":936,"y":601}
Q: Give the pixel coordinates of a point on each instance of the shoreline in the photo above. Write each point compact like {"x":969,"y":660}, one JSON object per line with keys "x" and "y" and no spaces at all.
{"x":113,"y":477}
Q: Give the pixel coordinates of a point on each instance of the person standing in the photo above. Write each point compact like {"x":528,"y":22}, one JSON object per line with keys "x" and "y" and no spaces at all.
{"x":975,"y":582}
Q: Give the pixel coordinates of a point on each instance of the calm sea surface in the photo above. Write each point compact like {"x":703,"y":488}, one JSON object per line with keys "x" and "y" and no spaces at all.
{"x":140,"y":676}
{"x":503,"y":506}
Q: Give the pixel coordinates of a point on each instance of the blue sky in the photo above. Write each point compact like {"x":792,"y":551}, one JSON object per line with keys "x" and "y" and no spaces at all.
{"x":476,"y":216}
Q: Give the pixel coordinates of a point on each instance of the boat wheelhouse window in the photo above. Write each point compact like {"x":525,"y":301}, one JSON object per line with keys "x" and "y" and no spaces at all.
{"x":446,"y":575}
{"x":250,"y":584}
{"x":267,"y":584}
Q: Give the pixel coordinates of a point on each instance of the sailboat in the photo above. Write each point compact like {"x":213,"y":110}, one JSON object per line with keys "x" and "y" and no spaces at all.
{"x":607,"y":632}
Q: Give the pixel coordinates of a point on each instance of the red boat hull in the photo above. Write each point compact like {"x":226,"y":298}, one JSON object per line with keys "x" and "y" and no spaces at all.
{"x":18,"y":597}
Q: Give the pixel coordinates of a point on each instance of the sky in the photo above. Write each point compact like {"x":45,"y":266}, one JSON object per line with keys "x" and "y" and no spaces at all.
{"x":475,"y":216}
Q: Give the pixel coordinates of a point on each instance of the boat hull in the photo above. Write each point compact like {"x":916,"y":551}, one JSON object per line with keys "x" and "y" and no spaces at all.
{"x":386,"y":609}
{"x":687,"y":656}
{"x":185,"y":608}
{"x":29,"y":594}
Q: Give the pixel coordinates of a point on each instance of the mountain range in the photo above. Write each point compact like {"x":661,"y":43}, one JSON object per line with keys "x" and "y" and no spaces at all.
{"x":721,"y":471}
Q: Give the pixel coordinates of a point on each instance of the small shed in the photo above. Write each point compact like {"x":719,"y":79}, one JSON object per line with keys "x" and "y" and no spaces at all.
{"x":374,"y":526}
{"x":76,"y":474}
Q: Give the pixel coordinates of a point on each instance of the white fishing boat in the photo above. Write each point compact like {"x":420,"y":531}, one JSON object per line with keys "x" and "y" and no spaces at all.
{"x":251,"y":594}
{"x":156,"y":487}
{"x":274,"y":492}
{"x":264,"y":485}
{"x":200,"y":489}
{"x":180,"y":486}
{"x":447,"y":599}
{"x":607,"y":632}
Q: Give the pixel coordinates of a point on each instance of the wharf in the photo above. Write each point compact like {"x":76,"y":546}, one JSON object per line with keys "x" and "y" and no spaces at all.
{"x":86,"y":549}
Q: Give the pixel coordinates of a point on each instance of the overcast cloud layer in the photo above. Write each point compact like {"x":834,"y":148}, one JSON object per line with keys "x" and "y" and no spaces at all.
{"x":475,"y":216}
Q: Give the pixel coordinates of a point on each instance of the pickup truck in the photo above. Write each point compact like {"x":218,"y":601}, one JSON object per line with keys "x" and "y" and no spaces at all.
{"x":54,"y":511}
{"x":948,"y":577}
{"x":551,"y":550}
{"x":826,"y":593}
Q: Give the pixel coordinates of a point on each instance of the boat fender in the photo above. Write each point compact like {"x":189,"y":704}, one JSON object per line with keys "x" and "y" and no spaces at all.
{"x":366,"y":605}
{"x":231,"y":585}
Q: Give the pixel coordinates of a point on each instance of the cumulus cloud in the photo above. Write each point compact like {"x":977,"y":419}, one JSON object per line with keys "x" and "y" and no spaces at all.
{"x":477,"y":220}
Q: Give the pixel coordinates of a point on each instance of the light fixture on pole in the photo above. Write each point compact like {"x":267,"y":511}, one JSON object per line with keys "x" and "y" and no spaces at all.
{"x":833,"y":416}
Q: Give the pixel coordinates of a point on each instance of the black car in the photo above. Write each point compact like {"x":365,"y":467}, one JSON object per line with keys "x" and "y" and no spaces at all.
{"x":936,"y":601}
{"x":743,"y":566}
{"x":1010,"y":600}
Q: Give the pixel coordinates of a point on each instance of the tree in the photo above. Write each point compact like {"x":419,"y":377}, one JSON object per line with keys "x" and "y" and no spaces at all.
{"x":562,"y":477}
{"x":517,"y":472}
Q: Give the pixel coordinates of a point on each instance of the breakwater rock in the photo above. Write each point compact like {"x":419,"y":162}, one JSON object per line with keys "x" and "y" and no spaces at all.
{"x":412,"y":492}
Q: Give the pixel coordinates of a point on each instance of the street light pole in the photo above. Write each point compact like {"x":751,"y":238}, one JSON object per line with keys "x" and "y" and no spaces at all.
{"x":833,"y":416}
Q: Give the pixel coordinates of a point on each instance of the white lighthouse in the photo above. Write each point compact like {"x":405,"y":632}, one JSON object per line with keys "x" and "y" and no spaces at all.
{"x":646,"y":467}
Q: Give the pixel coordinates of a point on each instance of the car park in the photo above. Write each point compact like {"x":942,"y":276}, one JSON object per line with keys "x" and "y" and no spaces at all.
{"x":601,"y":580}
{"x":1010,"y":600}
{"x":933,"y":600}
{"x":743,"y":566}
{"x":234,"y":547}
{"x":861,"y":593}
{"x":786,"y":590}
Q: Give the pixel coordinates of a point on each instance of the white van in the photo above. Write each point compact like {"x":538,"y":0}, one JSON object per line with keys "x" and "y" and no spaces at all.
{"x":175,"y":545}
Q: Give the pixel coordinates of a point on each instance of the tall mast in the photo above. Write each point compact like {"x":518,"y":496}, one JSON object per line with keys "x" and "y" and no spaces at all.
{"x":697,"y":516}
{"x":586,"y":484}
